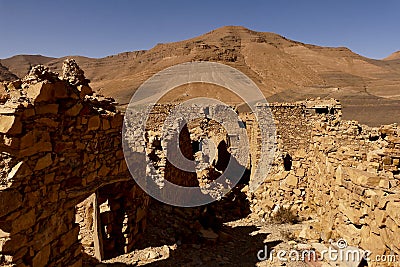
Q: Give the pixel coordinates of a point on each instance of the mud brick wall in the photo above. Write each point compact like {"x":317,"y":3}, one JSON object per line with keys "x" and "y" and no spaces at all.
{"x":59,"y":144}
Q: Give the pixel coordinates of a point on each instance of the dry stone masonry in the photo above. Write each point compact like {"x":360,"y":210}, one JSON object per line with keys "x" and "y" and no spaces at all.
{"x":65,"y":186}
{"x":59,"y":144}
{"x":343,"y":175}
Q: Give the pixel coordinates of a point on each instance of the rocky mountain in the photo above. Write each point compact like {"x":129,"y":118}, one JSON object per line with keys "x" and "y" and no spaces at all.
{"x":285,"y":70}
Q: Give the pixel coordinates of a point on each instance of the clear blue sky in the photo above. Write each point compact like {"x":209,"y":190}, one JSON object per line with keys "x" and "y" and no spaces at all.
{"x":100,"y":28}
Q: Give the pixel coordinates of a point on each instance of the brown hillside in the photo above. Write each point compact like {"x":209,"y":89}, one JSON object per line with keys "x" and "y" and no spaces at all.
{"x":283,"y":69}
{"x":394,"y":56}
{"x":21,"y":64}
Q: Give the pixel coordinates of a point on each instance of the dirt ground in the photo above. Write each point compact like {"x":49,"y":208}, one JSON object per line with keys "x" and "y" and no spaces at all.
{"x":224,"y":234}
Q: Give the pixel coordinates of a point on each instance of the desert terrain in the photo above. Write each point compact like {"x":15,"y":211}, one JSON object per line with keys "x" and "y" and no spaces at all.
{"x":284,"y":70}
{"x":76,"y":166}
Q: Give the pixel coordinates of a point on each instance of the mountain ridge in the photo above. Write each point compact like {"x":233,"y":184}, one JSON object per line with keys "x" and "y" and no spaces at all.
{"x":393,"y":56}
{"x":283,"y":69}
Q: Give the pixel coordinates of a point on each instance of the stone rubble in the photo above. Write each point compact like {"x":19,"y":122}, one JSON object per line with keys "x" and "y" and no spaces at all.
{"x":65,"y":184}
{"x":59,"y":145}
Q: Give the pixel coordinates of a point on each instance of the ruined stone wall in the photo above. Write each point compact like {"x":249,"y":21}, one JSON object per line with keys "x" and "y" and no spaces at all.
{"x":59,"y":144}
{"x":194,"y":126}
{"x":356,"y":192}
{"x":285,"y":185}
{"x":343,"y":175}
{"x":64,"y":181}
{"x":293,"y":126}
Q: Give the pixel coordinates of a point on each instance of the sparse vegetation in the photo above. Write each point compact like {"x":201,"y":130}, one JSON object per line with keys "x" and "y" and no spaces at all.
{"x":285,"y":215}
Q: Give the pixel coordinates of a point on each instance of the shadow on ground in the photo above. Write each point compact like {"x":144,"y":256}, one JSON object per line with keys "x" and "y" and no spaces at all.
{"x":197,"y":236}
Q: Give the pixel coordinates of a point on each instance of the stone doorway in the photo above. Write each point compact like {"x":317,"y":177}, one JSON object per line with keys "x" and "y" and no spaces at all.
{"x":111,"y":220}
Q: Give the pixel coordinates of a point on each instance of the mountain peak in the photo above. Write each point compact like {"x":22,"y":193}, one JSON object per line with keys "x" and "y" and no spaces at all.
{"x":393,"y":56}
{"x":238,"y":30}
{"x":231,"y":27}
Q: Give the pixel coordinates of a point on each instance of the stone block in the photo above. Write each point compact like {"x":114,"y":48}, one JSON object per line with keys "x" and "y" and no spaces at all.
{"x":28,"y":140}
{"x":42,"y":257}
{"x":300,"y":172}
{"x":41,"y":91}
{"x":60,"y":90}
{"x":390,"y":238}
{"x":10,"y":200}
{"x":393,"y":211}
{"x":49,"y":178}
{"x":291,"y":181}
{"x":47,"y":122}
{"x":84,"y":90}
{"x":386,"y":199}
{"x":106,"y":124}
{"x":74,"y":111}
{"x":4,"y":96}
{"x":379,"y":217}
{"x":23,"y":222}
{"x":28,"y":113}
{"x":349,"y":232}
{"x":277,"y":177}
{"x":116,"y":121}
{"x":32,"y":137}
{"x":94,"y":123}
{"x":47,"y":109}
{"x":10,"y":124}
{"x":38,"y":147}
{"x":44,"y":162}
{"x":384,"y":183}
{"x":297,"y":192}
{"x":351,"y":213}
{"x":68,"y":239}
{"x":104,"y":171}
{"x":309,"y":233}
{"x":362,"y":178}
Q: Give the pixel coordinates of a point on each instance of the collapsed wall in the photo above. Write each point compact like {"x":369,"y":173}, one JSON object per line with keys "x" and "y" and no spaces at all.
{"x":64,"y":180}
{"x":59,"y":144}
{"x":287,"y":180}
{"x":356,"y":190}
{"x":343,"y":175}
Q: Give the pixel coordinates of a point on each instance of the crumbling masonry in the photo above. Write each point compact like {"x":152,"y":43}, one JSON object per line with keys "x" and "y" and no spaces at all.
{"x":64,"y":181}
{"x":59,"y":145}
